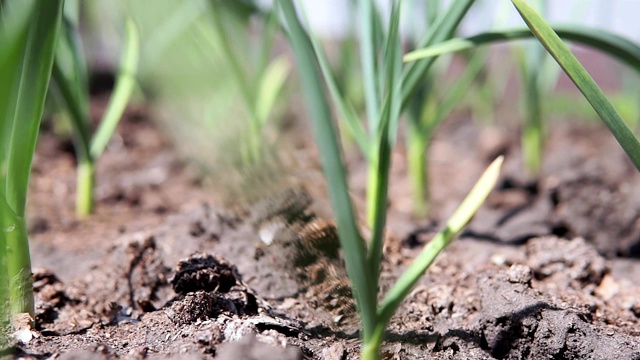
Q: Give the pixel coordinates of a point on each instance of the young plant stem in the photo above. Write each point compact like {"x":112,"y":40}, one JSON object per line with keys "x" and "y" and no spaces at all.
{"x":19,"y":268}
{"x":350,"y":239}
{"x":27,"y":72}
{"x":89,"y":148}
{"x":532,"y":133}
{"x":368,"y":58}
{"x":460,"y":218}
{"x":371,"y":348}
{"x":418,"y":169}
{"x":84,"y":187}
{"x":81,"y":139}
{"x":242,"y":81}
{"x":414,"y":92}
{"x":421,"y":110}
{"x":363,"y":267}
{"x":377,"y":187}
{"x":531,"y":68}
{"x":385,"y":137}
{"x":581,"y":78}
{"x":425,"y":114}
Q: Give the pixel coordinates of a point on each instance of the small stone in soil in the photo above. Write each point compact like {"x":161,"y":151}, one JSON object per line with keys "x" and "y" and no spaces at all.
{"x":521,"y":274}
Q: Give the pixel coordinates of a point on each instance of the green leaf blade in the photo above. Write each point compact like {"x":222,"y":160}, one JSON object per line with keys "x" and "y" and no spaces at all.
{"x":326,"y":138}
{"x":460,"y":218}
{"x":581,"y":78}
{"x":368,"y":57}
{"x":271,"y":84}
{"x":442,"y":30}
{"x":345,"y":110}
{"x":612,"y":44}
{"x":125,"y":84}
{"x":27,"y":69}
{"x":30,"y":91}
{"x":377,"y":189}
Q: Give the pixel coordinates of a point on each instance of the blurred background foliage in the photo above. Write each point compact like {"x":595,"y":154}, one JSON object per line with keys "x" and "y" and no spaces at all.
{"x":186,"y":73}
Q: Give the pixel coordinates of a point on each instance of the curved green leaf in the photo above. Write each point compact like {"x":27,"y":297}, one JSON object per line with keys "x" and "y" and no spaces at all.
{"x":382,"y":144}
{"x":442,"y":30}
{"x":25,"y":72}
{"x":121,"y":93}
{"x":460,"y":218}
{"x":350,"y":239}
{"x":572,"y":67}
{"x":345,"y":110}
{"x":610,"y":43}
{"x":271,"y":84}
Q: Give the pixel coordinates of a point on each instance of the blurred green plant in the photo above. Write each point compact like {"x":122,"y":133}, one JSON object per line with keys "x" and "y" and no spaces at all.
{"x":581,"y":78}
{"x":531,"y":60}
{"x":539,"y":75}
{"x":216,"y":66}
{"x":425,"y":104}
{"x":70,"y":76}
{"x":384,"y":94}
{"x":563,"y":103}
{"x":259,"y":79}
{"x":28,"y":34}
{"x":426,"y":111}
{"x":531,"y":68}
{"x":612,"y":44}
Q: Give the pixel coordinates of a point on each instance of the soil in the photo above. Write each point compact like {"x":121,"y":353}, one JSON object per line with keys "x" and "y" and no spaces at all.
{"x":547,"y":269}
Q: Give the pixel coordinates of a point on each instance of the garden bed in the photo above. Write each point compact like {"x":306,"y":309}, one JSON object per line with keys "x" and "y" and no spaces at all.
{"x":163,"y":270}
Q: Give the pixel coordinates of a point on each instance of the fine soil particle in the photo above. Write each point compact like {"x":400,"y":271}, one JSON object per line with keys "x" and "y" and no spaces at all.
{"x":162,"y":272}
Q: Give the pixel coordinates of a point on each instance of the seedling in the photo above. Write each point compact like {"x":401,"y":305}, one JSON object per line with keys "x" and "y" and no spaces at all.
{"x":612,"y":44}
{"x":71,"y":81}
{"x":539,"y":75}
{"x":28,"y":35}
{"x":426,"y":111}
{"x":259,"y":82}
{"x":581,"y":78}
{"x":386,"y":86}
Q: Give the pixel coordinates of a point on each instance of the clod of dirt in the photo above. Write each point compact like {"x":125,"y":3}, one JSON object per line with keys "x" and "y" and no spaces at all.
{"x":59,"y":307}
{"x":50,"y":291}
{"x":566,"y":261}
{"x":515,"y":213}
{"x":208,"y":284}
{"x":518,"y":322}
{"x":250,"y":348}
{"x":602,"y":210}
{"x":147,"y":274}
{"x":203,"y":272}
{"x":195,"y":306}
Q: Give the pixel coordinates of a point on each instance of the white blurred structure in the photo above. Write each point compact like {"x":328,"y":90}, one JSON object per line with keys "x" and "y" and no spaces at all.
{"x":331,"y":18}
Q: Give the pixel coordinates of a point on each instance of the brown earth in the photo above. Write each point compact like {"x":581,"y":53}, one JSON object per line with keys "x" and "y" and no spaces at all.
{"x":547,"y":269}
